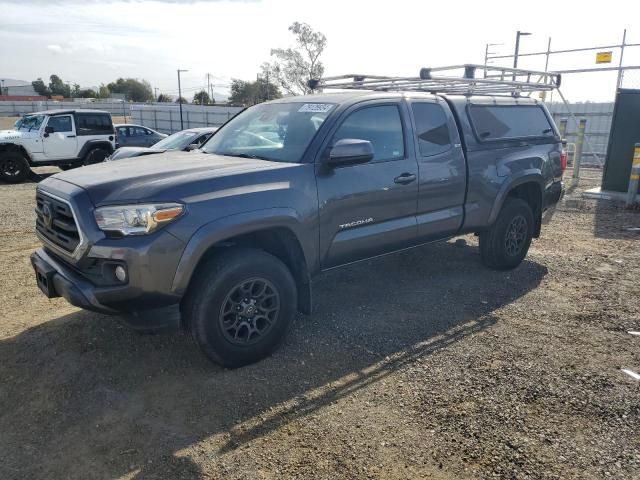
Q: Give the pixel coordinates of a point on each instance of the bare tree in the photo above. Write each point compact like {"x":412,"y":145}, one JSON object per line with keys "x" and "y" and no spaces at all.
{"x":293,"y":67}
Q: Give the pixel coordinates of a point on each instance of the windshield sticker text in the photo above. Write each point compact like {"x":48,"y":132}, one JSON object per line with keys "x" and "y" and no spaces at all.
{"x":316,"y":107}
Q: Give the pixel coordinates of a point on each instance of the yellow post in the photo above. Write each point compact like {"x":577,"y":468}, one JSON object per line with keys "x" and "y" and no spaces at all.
{"x":577,"y":156}
{"x":635,"y":176}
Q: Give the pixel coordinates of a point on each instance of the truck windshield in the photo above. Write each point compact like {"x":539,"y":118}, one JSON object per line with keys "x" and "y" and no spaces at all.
{"x":276,"y":131}
{"x":30,"y":122}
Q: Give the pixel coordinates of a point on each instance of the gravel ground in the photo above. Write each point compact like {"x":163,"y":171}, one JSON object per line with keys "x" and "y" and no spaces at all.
{"x":419,"y":365}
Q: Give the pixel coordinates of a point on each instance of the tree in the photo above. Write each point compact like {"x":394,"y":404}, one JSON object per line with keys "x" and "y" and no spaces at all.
{"x":202,"y":98}
{"x":250,"y":93}
{"x":164,"y":98}
{"x":104,"y":92}
{"x":86,"y":93}
{"x":58,"y":87}
{"x":181,"y":100}
{"x":293,"y":67}
{"x":40,"y":87}
{"x":133,"y":89}
{"x":76,"y":90}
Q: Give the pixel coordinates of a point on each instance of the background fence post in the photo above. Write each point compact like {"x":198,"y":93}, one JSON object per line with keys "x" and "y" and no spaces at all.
{"x":634,"y":177}
{"x":563,"y":127}
{"x":578,"y":155}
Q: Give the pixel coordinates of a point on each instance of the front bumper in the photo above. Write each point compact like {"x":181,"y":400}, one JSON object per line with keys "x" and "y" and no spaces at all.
{"x":57,"y":280}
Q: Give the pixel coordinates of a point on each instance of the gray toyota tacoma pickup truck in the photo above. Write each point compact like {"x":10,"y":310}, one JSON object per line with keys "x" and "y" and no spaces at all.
{"x":234,"y":233}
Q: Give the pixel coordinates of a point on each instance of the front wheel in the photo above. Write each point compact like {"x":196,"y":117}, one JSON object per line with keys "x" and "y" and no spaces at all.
{"x":507,"y":242}
{"x":240,"y":306}
{"x":14,"y":168}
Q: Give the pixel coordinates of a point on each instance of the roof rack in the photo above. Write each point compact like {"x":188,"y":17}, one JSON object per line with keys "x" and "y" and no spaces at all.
{"x":475,"y":80}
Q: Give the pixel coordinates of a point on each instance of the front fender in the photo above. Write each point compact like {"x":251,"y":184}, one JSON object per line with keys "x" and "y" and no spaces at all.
{"x":509,"y":183}
{"x":231,"y":226}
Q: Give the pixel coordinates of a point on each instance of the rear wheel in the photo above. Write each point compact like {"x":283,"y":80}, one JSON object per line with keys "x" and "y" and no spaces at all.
{"x":507,"y":242}
{"x":240,"y":306}
{"x":14,"y":167}
{"x":95,"y":155}
{"x":68,"y":166}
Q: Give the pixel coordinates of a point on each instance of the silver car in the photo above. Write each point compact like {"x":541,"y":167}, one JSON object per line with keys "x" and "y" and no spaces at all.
{"x":128,"y":135}
{"x":185,"y":140}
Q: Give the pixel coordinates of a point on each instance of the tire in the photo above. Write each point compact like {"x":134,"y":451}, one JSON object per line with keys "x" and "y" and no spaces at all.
{"x":507,"y":242}
{"x":68,"y":166}
{"x":95,"y":155}
{"x":14,"y":168}
{"x":240,"y":280}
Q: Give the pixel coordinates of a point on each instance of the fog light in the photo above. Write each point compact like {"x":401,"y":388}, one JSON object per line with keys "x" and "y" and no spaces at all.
{"x":121,"y":274}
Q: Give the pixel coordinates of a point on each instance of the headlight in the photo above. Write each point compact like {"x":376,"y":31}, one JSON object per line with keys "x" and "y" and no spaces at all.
{"x":137,"y":219}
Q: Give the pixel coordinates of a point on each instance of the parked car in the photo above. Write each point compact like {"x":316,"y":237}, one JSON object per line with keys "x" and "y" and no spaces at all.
{"x":234,"y":233}
{"x":185,"y":140}
{"x":66,"y":138}
{"x":128,"y":135}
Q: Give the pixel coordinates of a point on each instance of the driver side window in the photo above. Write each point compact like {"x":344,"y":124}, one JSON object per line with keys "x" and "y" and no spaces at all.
{"x":381,"y":125}
{"x":60,"y":123}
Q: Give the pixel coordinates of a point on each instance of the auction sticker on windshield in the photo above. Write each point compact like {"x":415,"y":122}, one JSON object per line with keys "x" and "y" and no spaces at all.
{"x":316,"y":107}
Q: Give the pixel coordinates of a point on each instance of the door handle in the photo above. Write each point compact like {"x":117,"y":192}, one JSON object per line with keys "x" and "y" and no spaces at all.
{"x":405,"y":178}
{"x":71,"y":136}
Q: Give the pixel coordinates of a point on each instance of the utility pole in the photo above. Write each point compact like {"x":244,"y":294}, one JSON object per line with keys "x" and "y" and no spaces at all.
{"x":155,"y":89}
{"x":267,"y":84}
{"x":486,"y":55}
{"x":209,"y":92}
{"x":619,"y":82}
{"x":515,"y":55}
{"x":180,"y":98}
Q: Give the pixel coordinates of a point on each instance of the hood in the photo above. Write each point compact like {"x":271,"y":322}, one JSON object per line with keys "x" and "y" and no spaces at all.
{"x":170,"y":176}
{"x":9,"y":134}
{"x":128,"y":152}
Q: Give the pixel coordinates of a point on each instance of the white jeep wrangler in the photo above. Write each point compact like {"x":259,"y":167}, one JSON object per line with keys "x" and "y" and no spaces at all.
{"x":65,"y":138}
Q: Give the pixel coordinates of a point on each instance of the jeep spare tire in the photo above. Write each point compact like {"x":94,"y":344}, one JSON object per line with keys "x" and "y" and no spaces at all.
{"x":14,"y":168}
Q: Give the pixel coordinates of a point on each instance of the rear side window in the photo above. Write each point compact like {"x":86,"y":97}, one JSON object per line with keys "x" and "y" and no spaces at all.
{"x":431,"y":128}
{"x":94,"y":124}
{"x":381,"y":125}
{"x":498,"y":122}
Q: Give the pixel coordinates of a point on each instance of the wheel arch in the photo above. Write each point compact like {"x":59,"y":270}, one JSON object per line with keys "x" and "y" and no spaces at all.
{"x":278,"y":236}
{"x":91,"y":144}
{"x":529,"y":186}
{"x":12,"y":147}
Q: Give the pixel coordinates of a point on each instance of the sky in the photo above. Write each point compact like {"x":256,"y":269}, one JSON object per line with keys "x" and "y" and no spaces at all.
{"x":90,"y":42}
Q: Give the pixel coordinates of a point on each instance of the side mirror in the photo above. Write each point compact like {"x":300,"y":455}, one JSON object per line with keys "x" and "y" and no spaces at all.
{"x":193,"y":146}
{"x":48,"y":130}
{"x":350,"y":151}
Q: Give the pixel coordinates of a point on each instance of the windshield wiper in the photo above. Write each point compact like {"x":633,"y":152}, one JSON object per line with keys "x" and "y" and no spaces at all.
{"x":244,"y":155}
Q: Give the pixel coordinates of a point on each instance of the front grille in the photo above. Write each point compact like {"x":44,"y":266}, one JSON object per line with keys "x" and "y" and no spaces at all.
{"x":56,"y":223}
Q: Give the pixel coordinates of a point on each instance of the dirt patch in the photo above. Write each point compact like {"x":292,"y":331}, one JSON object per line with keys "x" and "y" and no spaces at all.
{"x":419,"y":365}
